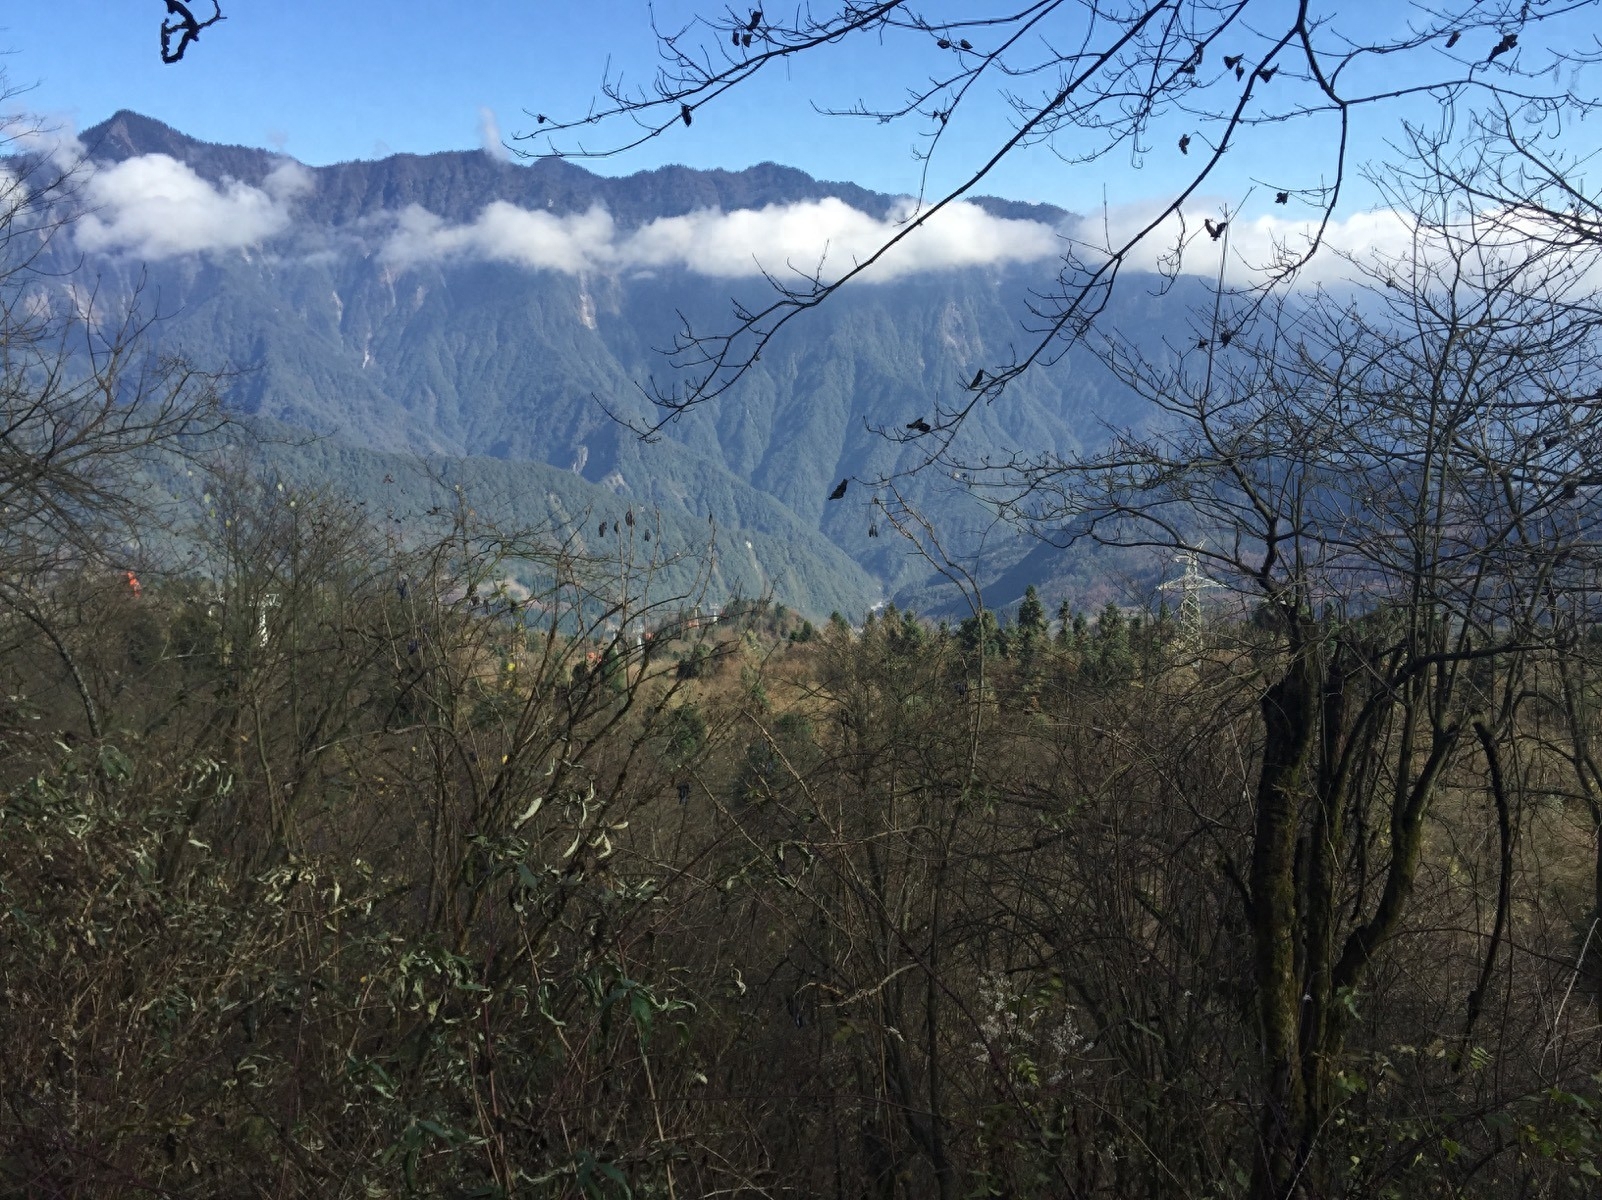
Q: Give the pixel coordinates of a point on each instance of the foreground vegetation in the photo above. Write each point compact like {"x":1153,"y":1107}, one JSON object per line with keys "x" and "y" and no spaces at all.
{"x":397,"y":884}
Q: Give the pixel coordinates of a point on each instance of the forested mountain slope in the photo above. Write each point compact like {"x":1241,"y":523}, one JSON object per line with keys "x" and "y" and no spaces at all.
{"x":382,"y":311}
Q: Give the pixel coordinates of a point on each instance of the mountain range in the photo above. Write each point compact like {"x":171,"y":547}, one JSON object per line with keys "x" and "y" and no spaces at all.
{"x":489,"y":315}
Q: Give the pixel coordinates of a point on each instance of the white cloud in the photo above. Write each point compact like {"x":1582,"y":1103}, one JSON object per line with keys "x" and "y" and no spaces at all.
{"x":505,"y":233}
{"x":816,"y":235}
{"x":154,"y":206}
{"x":54,"y":138}
{"x":1255,"y":243}
{"x":489,"y":135}
{"x":830,"y":236}
{"x":1364,"y":245}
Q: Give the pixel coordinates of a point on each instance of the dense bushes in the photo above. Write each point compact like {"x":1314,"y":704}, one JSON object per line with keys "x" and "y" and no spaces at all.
{"x":387,"y":901}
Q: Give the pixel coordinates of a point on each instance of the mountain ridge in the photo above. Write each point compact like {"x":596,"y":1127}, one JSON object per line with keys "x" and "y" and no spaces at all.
{"x":456,"y":184}
{"x":476,"y":359}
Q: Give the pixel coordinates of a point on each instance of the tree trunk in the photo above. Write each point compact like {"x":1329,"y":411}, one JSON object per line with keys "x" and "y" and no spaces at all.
{"x":1290,"y":721}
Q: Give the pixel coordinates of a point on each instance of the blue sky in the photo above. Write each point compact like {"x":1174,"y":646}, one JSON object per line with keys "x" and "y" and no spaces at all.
{"x":328,"y":81}
{"x":359,"y":78}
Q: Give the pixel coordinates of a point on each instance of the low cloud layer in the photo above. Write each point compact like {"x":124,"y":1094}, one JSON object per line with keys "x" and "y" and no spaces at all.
{"x":154,"y":207}
{"x":827,"y":237}
{"x":1256,"y":243}
{"x":54,"y":139}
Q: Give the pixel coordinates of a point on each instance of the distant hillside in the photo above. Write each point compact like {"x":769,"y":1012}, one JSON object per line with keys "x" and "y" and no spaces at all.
{"x":766,"y":552}
{"x":509,"y":364}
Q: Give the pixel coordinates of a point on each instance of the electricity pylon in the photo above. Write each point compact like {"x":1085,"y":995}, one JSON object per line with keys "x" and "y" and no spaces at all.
{"x":1190,"y":585}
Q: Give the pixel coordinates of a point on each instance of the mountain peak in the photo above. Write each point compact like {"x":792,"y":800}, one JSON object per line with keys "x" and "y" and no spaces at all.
{"x":126,"y":134}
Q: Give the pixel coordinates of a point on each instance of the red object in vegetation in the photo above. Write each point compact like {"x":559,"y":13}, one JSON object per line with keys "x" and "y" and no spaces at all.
{"x":133,"y":584}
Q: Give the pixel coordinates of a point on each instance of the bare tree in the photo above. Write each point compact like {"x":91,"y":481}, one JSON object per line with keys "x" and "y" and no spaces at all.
{"x":89,"y":413}
{"x":1190,"y":80}
{"x":1405,"y":482}
{"x":181,"y":23}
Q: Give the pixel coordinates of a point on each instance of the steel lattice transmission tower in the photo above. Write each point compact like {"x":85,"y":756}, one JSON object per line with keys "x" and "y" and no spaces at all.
{"x":1190,"y":585}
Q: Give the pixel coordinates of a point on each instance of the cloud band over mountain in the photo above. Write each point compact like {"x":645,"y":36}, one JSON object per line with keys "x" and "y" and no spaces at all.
{"x":825,"y":237}
{"x":154,"y":207}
